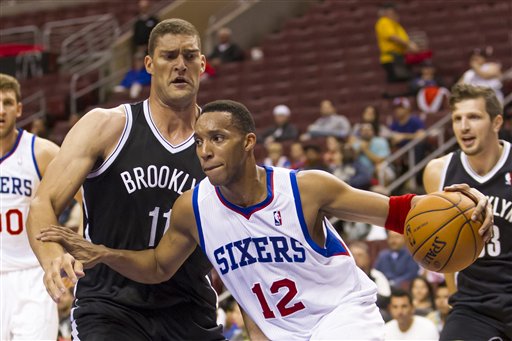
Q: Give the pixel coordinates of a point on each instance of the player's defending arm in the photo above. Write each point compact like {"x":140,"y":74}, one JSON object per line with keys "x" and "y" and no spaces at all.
{"x":88,"y":141}
{"x":146,"y":266}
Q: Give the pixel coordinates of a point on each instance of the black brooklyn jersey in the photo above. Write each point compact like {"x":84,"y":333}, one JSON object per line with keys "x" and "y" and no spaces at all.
{"x":127,"y":205}
{"x":491,"y":274}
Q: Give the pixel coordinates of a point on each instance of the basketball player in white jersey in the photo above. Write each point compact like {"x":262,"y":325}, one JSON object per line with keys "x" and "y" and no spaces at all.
{"x":264,"y":230}
{"x":27,"y":312}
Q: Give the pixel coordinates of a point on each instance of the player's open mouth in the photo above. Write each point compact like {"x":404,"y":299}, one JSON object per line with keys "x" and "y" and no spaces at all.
{"x":468,"y":140}
{"x":179,"y":80}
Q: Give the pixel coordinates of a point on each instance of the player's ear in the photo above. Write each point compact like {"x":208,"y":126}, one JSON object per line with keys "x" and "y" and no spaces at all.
{"x":148,"y":62}
{"x":20,"y":110}
{"x":250,"y":141}
{"x":497,"y":123}
{"x":203,"y":63}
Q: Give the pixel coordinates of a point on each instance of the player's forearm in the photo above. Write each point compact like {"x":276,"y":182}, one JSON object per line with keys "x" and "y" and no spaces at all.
{"x":139,"y":266}
{"x":41,"y":215}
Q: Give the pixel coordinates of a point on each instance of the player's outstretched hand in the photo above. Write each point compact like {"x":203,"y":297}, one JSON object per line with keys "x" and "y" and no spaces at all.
{"x":62,"y":273}
{"x":483,"y":207}
{"x":82,"y":250}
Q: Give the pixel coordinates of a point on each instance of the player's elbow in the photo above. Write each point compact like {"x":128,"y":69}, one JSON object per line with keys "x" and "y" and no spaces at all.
{"x":160,"y":275}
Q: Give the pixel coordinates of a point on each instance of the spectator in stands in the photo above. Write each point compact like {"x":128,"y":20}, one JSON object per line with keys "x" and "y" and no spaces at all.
{"x":348,"y":168}
{"x":275,"y":156}
{"x":136,"y":78}
{"x":484,"y":73}
{"x":234,"y":330}
{"x":371,"y":115}
{"x":438,"y":316}
{"x":426,"y":78}
{"x":297,"y":156}
{"x":372,"y":149}
{"x":396,"y":263}
{"x":393,"y":43}
{"x":332,"y":151}
{"x":225,"y":51}
{"x":361,"y":254}
{"x":422,"y":296}
{"x":282,"y":129}
{"x":314,"y":159}
{"x":39,"y":127}
{"x":405,"y":325}
{"x":329,"y":124}
{"x":142,"y":27}
{"x":406,"y":127}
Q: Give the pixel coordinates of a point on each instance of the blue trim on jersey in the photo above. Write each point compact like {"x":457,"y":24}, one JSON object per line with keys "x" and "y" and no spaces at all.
{"x":334,"y":246}
{"x":195,"y":205}
{"x":16,"y":144}
{"x":34,"y":157}
{"x":248,"y":211}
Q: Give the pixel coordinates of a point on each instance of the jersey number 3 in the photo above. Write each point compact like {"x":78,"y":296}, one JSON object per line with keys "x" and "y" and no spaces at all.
{"x":284,"y":305}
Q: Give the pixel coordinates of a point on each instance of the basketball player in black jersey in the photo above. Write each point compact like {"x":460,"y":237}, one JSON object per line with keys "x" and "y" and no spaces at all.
{"x":482,"y":302}
{"x":133,"y":162}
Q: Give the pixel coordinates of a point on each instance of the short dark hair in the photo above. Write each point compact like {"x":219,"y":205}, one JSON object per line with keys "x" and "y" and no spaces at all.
{"x":397,"y":292}
{"x":172,"y":26}
{"x":240,"y":115}
{"x":388,"y":5}
{"x":461,"y":92}
{"x":9,"y":83}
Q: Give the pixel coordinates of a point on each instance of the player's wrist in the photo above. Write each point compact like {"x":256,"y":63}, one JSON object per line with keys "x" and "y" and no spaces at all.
{"x":399,"y":207}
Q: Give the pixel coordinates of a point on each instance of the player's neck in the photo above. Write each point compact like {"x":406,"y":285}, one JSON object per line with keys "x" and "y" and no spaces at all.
{"x":250,"y":189}
{"x":175,"y":123}
{"x":7,"y":142}
{"x":485,"y":161}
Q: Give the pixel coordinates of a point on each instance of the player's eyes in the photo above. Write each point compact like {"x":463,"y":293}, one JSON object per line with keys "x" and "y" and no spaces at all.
{"x":218,"y":138}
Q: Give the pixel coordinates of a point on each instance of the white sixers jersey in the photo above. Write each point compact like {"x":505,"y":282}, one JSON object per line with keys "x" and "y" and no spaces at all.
{"x":19,"y":178}
{"x":269,"y":262}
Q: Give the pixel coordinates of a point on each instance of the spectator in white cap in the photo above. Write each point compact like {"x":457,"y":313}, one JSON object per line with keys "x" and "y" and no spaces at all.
{"x":404,"y":128}
{"x":282,"y":129}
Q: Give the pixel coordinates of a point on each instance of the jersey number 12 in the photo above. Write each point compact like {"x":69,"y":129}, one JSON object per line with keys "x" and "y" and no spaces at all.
{"x":284,"y":306}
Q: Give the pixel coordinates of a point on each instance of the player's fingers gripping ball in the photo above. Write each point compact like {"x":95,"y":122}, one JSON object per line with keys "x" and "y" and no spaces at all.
{"x":440,"y":234}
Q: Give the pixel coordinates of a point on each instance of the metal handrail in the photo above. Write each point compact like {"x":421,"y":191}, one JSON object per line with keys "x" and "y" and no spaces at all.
{"x":52,"y":25}
{"x":37,"y":96}
{"x":13,"y":31}
{"x":99,"y":65}
{"x":437,"y":129}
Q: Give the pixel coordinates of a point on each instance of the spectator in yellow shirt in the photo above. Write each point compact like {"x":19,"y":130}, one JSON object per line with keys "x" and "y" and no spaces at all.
{"x":392,"y":39}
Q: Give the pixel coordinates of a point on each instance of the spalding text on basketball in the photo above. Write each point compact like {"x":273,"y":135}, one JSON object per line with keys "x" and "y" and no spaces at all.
{"x":435,"y":248}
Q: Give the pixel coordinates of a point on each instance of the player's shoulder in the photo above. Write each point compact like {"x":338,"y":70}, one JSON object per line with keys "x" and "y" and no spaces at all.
{"x":44,"y":148}
{"x":433,"y":173}
{"x":100,"y":126}
{"x":44,"y":152}
{"x":185,"y":207}
{"x":438,"y":163}
{"x":113,"y":117}
{"x":313,"y":181}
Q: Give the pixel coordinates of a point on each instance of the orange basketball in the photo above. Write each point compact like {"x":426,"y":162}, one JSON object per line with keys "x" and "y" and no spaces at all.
{"x":440,"y":234}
